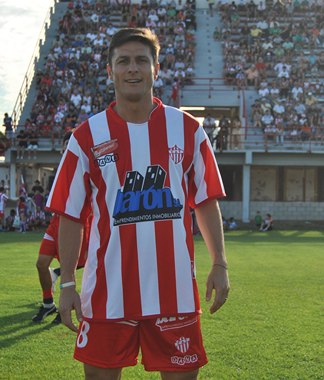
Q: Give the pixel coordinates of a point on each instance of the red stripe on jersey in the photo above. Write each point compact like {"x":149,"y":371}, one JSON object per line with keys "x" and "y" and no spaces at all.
{"x":192,"y":125}
{"x":189,"y":146}
{"x":192,"y":187}
{"x":61,"y":193}
{"x":159,"y":152}
{"x":214,"y":188}
{"x":128,"y":240}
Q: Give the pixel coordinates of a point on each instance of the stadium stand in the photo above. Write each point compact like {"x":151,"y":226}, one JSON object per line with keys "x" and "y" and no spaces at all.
{"x":257,"y":65}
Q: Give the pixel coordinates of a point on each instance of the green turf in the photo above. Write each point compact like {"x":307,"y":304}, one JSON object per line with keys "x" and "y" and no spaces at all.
{"x":270,"y":328}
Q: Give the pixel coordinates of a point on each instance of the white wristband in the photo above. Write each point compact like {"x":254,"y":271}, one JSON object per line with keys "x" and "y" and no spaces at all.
{"x":67,"y":284}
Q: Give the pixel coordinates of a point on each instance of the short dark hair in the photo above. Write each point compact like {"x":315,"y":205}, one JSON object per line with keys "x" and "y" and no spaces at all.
{"x":143,"y":35}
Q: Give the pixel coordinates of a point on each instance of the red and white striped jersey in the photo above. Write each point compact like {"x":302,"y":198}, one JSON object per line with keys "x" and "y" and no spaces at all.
{"x":140,"y":181}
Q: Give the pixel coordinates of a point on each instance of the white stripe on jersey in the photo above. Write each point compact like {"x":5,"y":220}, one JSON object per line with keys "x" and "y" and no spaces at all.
{"x":147,"y":261}
{"x":48,"y":237}
{"x":200,"y":170}
{"x":74,"y":206}
{"x":89,"y":273}
{"x":113,"y":263}
{"x":185,"y":294}
{"x":130,"y":323}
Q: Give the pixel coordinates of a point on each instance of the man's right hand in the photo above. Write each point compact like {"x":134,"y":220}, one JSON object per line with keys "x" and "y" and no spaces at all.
{"x":70,"y":300}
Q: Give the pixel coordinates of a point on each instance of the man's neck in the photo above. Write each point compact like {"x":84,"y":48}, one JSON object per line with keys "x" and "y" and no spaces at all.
{"x":134,"y":112}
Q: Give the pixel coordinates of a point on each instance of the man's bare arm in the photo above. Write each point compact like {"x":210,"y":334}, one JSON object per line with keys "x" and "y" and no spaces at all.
{"x":210,"y":223}
{"x":70,"y":238}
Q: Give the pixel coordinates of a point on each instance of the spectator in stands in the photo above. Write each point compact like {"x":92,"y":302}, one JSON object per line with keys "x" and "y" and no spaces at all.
{"x":37,"y":187}
{"x":255,"y":33}
{"x":175,"y":93}
{"x":261,"y":66}
{"x":211,"y":7}
{"x":76,"y":98}
{"x":311,"y":103}
{"x":32,"y":144}
{"x":280,"y":133}
{"x":284,"y":73}
{"x":263,"y":90}
{"x":209,"y":125}
{"x":284,"y":87}
{"x":236,"y":134}
{"x":222,"y":136}
{"x":261,"y":8}
{"x":22,"y":143}
{"x":252,"y":76}
{"x":297,"y":90}
{"x":267,"y":119}
{"x":9,"y":132}
{"x":278,"y":108}
{"x":158,"y":87}
{"x":278,"y":52}
{"x":300,"y":108}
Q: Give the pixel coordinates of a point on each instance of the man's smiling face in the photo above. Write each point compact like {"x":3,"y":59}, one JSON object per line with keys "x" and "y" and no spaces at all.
{"x":133,"y":71}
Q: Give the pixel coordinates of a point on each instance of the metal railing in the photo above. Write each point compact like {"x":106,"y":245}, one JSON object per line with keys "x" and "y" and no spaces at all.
{"x":209,"y":86}
{"x":254,"y":139}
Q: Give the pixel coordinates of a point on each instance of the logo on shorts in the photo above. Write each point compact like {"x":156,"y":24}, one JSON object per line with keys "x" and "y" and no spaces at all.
{"x":169,"y":323}
{"x":182,"y":344}
{"x":182,"y":360}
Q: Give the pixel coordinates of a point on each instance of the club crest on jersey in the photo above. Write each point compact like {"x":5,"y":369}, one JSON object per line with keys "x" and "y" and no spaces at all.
{"x":104,"y":148}
{"x":176,"y":154}
{"x":145,"y":199}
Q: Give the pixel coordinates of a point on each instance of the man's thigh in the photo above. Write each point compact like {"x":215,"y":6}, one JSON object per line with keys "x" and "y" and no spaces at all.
{"x":96,"y":373}
{"x":107,"y":344}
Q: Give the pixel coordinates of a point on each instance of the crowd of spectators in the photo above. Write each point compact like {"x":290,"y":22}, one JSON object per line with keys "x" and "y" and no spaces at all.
{"x":29,"y":212}
{"x":73,"y":84}
{"x":279,"y":51}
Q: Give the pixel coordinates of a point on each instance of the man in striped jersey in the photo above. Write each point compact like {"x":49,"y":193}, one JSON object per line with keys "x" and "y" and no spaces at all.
{"x":139,"y":166}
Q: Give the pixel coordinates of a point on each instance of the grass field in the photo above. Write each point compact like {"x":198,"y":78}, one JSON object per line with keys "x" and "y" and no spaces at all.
{"x":270,"y":328}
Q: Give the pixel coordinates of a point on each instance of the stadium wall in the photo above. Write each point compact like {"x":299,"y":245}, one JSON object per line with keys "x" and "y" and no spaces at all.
{"x":290,"y":211}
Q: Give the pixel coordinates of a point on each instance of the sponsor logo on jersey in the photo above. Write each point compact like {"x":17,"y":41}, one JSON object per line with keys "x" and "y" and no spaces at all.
{"x":176,"y":154}
{"x":169,"y":323}
{"x":182,"y":360}
{"x":145,"y":198}
{"x":104,"y":148}
{"x":107,"y":159}
{"x":182,"y":344}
